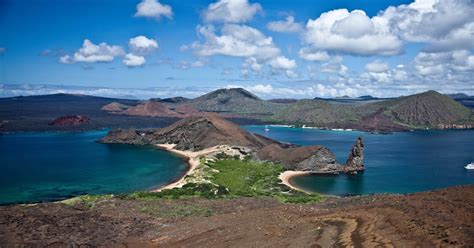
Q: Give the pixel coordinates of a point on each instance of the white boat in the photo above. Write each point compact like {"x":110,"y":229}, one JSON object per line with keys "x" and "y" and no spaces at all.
{"x":266,"y":128}
{"x":470,"y":166}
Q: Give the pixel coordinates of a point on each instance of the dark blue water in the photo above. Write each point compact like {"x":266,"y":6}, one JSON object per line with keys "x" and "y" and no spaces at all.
{"x":395,"y":163}
{"x":52,"y":166}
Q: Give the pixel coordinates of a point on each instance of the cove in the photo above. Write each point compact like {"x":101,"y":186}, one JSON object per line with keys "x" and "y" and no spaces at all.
{"x":403,"y":162}
{"x":49,"y":166}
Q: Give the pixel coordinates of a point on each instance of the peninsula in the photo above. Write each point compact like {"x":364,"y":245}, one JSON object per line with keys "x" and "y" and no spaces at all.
{"x":210,"y":137}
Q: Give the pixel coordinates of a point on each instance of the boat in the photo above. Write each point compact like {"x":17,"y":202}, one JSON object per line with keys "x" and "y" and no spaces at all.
{"x":470,"y":166}
{"x":266,"y":128}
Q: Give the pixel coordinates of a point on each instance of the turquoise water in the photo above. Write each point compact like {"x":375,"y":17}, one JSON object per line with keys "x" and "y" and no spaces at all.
{"x":53,"y":166}
{"x":395,"y":163}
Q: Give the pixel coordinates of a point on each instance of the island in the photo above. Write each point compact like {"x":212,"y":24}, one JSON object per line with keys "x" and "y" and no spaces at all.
{"x":209,"y":138}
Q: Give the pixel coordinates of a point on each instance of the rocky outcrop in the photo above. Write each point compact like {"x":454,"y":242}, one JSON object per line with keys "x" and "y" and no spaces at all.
{"x":300,"y":158}
{"x":125,"y":136}
{"x":70,"y":120}
{"x":355,"y":161}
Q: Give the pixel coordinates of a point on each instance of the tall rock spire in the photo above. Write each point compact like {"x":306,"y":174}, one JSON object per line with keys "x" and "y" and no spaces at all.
{"x":355,"y":161}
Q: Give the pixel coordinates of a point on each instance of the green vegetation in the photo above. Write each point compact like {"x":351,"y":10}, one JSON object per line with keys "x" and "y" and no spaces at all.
{"x":87,"y":200}
{"x":190,"y":190}
{"x":246,"y":178}
{"x":229,"y":177}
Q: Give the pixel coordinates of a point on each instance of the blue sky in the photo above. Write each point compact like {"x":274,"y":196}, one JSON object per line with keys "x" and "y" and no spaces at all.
{"x":294,"y":49}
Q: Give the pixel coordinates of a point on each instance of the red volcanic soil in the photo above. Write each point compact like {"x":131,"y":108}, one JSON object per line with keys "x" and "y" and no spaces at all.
{"x":151,"y":108}
{"x":70,"y":120}
{"x":442,"y":218}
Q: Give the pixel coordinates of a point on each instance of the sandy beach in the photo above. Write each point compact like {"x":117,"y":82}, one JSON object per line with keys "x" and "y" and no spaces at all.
{"x":193,"y":162}
{"x":286,"y":176}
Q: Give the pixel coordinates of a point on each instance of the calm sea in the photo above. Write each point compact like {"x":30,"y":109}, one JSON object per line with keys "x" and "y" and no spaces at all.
{"x":395,"y":163}
{"x":53,"y":166}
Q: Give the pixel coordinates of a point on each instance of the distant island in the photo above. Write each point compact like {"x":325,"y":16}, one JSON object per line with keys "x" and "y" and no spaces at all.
{"x":428,"y":110}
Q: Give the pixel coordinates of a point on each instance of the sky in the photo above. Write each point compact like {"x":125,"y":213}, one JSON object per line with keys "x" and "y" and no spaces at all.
{"x":275,"y":49}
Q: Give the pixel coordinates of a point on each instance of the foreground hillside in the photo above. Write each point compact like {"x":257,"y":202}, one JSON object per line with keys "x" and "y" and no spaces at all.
{"x":440,"y":218}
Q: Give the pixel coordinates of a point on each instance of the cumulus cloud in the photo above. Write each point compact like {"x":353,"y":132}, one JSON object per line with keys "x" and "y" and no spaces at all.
{"x":335,"y":66}
{"x":353,"y":32}
{"x":142,"y":44}
{"x":234,"y":40}
{"x":444,"y":25}
{"x":287,"y":26}
{"x":310,"y":91}
{"x":377,"y":66}
{"x":242,"y":41}
{"x":453,"y":64}
{"x":91,"y":53}
{"x":313,"y":55}
{"x":153,"y":9}
{"x":283,"y":63}
{"x":132,"y":60}
{"x":231,"y":11}
{"x":378,"y":71}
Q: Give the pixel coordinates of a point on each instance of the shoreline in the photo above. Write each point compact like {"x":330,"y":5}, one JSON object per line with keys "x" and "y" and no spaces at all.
{"x":286,"y":177}
{"x":192,"y":161}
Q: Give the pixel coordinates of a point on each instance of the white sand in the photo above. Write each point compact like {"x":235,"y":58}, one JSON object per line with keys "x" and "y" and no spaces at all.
{"x":193,"y":161}
{"x":287,"y":175}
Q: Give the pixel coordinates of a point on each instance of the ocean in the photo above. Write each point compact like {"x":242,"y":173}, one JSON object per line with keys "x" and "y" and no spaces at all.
{"x":49,"y":166}
{"x":402,"y":162}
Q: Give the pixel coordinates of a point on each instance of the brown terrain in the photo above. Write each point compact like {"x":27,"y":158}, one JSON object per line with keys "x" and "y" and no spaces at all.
{"x":151,"y":108}
{"x":442,"y":218}
{"x":70,"y":120}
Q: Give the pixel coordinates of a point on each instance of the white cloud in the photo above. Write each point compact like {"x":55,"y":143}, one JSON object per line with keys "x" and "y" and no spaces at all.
{"x":235,"y":40}
{"x":287,"y":26}
{"x":378,"y":71}
{"x":291,"y":74}
{"x":310,"y":55}
{"x":244,"y":42}
{"x":253,"y":64}
{"x":153,"y":9}
{"x":231,"y":11}
{"x":142,"y":44}
{"x":282,"y":63}
{"x":377,"y":66}
{"x":91,"y":53}
{"x":310,"y":91}
{"x":132,"y":60}
{"x":353,"y":32}
{"x":444,"y":25}
{"x":66,"y":59}
{"x":439,"y":64}
{"x":335,"y":66}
